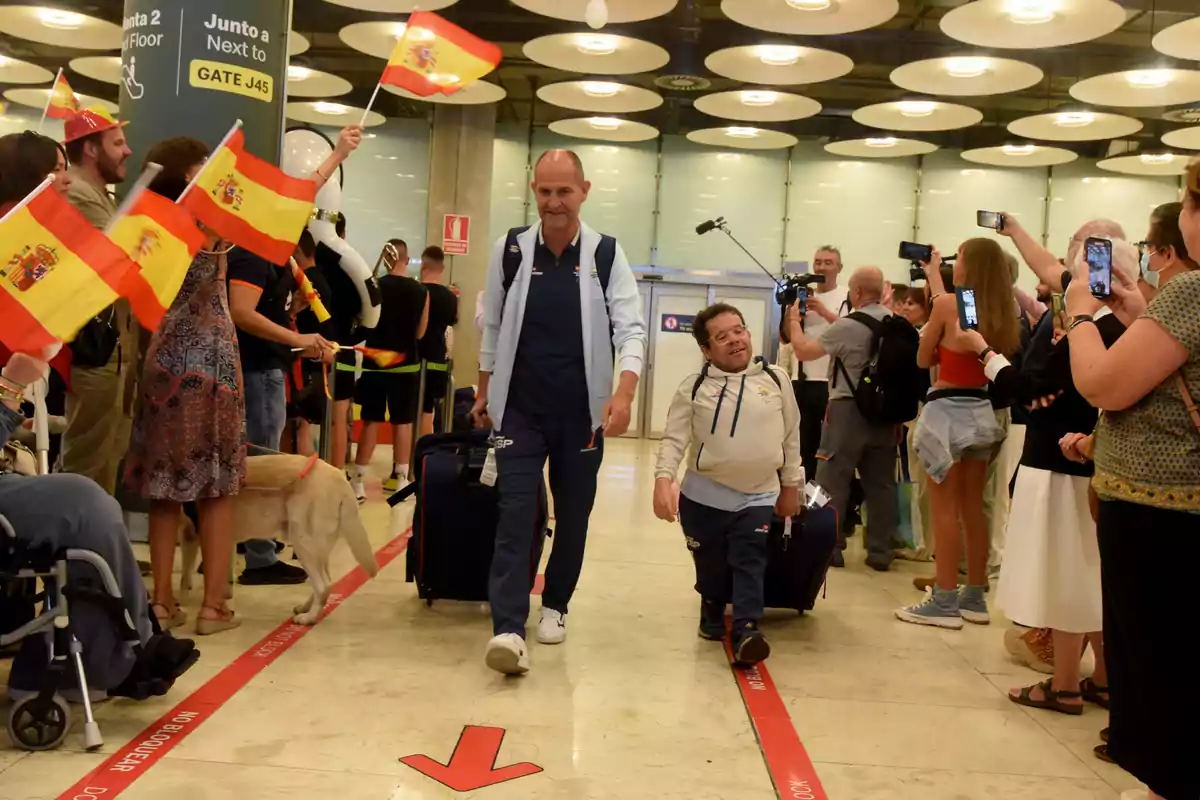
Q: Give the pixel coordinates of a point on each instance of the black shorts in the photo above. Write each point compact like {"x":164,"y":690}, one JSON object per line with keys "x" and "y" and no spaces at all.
{"x":343,"y":380}
{"x":388,"y":397}
{"x":435,"y":389}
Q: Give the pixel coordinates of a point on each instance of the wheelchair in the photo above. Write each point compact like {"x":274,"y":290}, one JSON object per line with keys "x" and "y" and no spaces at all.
{"x":42,"y":721}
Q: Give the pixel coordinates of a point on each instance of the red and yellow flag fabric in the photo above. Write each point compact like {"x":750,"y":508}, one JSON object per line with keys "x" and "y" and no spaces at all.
{"x":385,"y":359}
{"x":309,"y":293}
{"x":63,"y":103}
{"x":435,"y":55}
{"x":56,"y":273}
{"x":251,"y":203}
{"x":162,"y":239}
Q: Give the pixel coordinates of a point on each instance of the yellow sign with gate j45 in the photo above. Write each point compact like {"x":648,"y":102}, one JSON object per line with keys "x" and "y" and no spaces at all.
{"x":231,"y":78}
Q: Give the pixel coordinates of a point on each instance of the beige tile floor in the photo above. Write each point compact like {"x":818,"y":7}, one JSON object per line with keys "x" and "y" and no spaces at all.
{"x":632,"y":706}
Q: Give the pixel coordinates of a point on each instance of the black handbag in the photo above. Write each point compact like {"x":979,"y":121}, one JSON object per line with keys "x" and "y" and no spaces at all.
{"x":96,"y":341}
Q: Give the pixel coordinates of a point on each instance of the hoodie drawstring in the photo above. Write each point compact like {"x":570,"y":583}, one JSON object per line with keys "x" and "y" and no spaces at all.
{"x":737,"y":411}
{"x":720,"y":400}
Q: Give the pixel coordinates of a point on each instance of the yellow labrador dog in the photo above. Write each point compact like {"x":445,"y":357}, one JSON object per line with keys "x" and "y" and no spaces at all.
{"x":300,"y":500}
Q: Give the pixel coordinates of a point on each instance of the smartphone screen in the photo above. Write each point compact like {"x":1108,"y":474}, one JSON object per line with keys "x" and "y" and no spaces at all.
{"x":1058,"y":307}
{"x":968,"y":316}
{"x":1098,"y":254}
{"x":911,"y":251}
{"x":989,"y":219}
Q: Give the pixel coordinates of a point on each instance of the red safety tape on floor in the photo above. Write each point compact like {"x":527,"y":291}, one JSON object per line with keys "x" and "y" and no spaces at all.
{"x":131,"y":761}
{"x":791,"y":769}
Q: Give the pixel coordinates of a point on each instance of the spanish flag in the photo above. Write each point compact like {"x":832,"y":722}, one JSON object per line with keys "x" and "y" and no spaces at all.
{"x":438,"y":56}
{"x":162,"y":239}
{"x":385,"y":359}
{"x":63,"y":103}
{"x":309,"y":293}
{"x":56,"y":273}
{"x":251,"y":203}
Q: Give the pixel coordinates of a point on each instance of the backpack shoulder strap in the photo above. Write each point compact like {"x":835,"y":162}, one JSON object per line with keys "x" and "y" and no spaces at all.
{"x":770,"y":370}
{"x":606,"y":255}
{"x":845,"y":372}
{"x":699,"y":381}
{"x":866,"y":319}
{"x":512,"y":256}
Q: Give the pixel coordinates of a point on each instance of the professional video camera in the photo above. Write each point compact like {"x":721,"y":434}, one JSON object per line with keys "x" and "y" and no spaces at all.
{"x":918,"y":254}
{"x":791,"y":288}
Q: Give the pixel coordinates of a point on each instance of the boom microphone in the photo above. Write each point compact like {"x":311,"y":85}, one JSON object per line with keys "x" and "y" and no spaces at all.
{"x":705,"y":227}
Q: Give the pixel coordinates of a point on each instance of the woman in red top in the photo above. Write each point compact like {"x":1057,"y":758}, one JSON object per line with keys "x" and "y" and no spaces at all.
{"x":957,"y":432}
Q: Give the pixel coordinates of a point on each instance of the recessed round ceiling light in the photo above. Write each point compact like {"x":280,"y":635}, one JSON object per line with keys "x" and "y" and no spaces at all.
{"x":605,"y":123}
{"x":298,"y":73}
{"x":1019,"y":149}
{"x":399,"y":29}
{"x":809,"y":5}
{"x":3,"y":60}
{"x":1149,"y":78}
{"x":916,"y":108}
{"x":778,"y":55}
{"x":1074,"y":119}
{"x":63,"y":20}
{"x":1157,"y":158}
{"x":600,"y":88}
{"x":596,"y":44}
{"x":759,"y":99}
{"x":967,"y":67}
{"x":332,"y":109}
{"x":1031,"y":12}
{"x":742,"y":133}
{"x":883,"y":141}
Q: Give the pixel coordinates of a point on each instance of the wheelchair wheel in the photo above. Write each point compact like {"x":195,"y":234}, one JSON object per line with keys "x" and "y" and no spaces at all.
{"x":37,"y":725}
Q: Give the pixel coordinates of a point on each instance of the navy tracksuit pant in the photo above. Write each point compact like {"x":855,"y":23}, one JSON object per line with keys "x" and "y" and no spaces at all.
{"x":729,"y":549}
{"x":575,"y":451}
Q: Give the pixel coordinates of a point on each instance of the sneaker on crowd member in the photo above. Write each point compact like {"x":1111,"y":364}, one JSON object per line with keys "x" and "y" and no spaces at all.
{"x":940,"y":609}
{"x":1033,"y":647}
{"x":732,"y":417}
{"x":552,"y":627}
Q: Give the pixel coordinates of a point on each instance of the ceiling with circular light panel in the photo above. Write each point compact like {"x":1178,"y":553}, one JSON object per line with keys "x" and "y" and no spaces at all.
{"x":757,"y":105}
{"x":1032,"y":24}
{"x":1140,"y":88}
{"x":306,"y":82}
{"x":603,"y":97}
{"x":743,"y":138}
{"x":779,"y":64}
{"x":477,"y":94}
{"x":605,"y":129}
{"x":59,"y":27}
{"x":13,"y":70}
{"x":966,"y":76}
{"x":880,"y":147}
{"x":1020,"y":155}
{"x":918,"y":115}
{"x":596,"y":53}
{"x":1184,"y":138}
{"x":37,"y":98}
{"x":106,"y":69}
{"x":394,"y":6}
{"x":373,"y":38}
{"x":810,"y":17}
{"x":1181,"y":40}
{"x":297,"y":44}
{"x":337,"y":115}
{"x":1147,"y":164}
{"x":619,"y":11}
{"x":1081,"y":125}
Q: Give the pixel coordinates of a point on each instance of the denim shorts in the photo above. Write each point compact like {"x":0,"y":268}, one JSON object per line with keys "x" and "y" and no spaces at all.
{"x":955,"y":425}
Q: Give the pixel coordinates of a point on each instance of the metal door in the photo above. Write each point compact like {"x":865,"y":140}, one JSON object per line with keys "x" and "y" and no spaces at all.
{"x":672,"y":353}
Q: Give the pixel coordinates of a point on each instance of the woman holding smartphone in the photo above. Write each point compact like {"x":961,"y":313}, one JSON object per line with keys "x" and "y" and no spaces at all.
{"x":957,"y":433}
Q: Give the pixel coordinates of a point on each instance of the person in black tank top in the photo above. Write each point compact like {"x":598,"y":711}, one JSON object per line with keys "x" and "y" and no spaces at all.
{"x":435,"y":345}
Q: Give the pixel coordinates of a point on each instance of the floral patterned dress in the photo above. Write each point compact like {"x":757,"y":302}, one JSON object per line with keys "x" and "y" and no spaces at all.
{"x":189,"y":440}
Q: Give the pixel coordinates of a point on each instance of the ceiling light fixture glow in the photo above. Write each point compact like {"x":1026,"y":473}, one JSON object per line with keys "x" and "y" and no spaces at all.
{"x":809,"y":5}
{"x":778,"y":55}
{"x":596,"y":14}
{"x":1074,"y":119}
{"x":967,"y":67}
{"x":1031,"y":12}
{"x":596,"y":44}
{"x":63,"y":20}
{"x":605,"y":123}
{"x":1157,"y":158}
{"x":916,"y":108}
{"x":759,"y":99}
{"x":882,"y":141}
{"x":1149,"y":78}
{"x":332,"y":109}
{"x":1019,"y":149}
{"x":741,"y":133}
{"x":600,"y":88}
{"x":298,"y":73}
{"x":399,"y":30}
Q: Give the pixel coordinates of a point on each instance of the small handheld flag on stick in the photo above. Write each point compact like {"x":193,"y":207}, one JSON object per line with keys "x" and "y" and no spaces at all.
{"x":62,"y":102}
{"x":386,"y":359}
{"x":308,"y":292}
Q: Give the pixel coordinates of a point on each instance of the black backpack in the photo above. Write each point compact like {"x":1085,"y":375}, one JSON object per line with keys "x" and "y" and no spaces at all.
{"x":892,"y":384}
{"x":606,"y":254}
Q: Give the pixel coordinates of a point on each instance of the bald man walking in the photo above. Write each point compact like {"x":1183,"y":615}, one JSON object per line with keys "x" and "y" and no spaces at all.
{"x":561,"y":304}
{"x":849,"y":440}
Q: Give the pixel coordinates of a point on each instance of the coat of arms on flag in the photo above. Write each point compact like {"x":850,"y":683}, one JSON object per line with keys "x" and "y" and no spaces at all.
{"x":229,"y":192}
{"x":29,"y":266}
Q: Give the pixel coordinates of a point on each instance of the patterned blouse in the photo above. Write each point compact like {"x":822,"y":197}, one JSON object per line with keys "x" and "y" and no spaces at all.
{"x":1150,"y":453}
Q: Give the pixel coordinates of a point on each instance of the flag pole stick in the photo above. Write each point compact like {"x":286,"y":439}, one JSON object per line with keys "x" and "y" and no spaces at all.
{"x":41,"y":187}
{"x":367,"y":111}
{"x":50,"y":99}
{"x":139,"y":186}
{"x":236,"y":127}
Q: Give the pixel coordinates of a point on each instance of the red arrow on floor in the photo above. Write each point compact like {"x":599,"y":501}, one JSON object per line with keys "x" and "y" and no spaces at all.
{"x":473,"y":764}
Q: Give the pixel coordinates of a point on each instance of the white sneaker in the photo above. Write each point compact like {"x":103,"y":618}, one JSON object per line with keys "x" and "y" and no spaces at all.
{"x":552,"y":628}
{"x":506,"y":654}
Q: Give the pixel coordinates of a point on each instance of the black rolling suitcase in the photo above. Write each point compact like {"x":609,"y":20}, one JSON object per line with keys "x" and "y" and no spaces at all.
{"x":454,"y":524}
{"x":798,"y":559}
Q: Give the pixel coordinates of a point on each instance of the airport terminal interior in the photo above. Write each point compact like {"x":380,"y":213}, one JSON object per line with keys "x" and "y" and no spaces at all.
{"x":802,"y":127}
